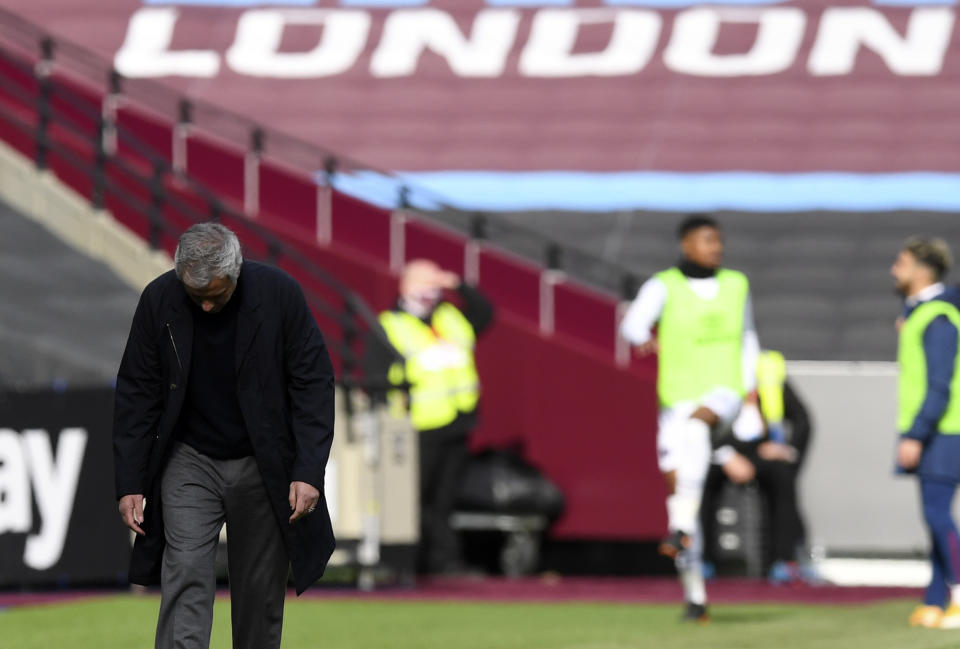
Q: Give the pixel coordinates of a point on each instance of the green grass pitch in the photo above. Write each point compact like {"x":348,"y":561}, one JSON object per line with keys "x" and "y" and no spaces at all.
{"x":127,"y":622}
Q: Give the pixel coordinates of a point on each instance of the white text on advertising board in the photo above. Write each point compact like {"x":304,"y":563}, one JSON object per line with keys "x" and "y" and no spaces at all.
{"x":30,"y":472}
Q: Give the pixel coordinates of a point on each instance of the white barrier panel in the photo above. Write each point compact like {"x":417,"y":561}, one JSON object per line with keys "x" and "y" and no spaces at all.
{"x":373,"y":488}
{"x":852,"y":500}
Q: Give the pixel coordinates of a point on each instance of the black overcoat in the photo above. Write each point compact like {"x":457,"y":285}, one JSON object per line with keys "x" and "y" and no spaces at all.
{"x":285,"y":385}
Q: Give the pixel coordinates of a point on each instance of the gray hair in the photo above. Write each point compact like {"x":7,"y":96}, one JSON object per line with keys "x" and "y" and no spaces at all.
{"x":205,"y":252}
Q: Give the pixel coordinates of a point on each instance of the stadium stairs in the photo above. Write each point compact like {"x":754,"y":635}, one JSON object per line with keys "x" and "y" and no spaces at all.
{"x":65,"y":307}
{"x":556,"y":381}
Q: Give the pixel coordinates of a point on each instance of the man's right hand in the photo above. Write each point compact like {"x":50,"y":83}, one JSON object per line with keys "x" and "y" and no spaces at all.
{"x":777,"y":452}
{"x":739,"y":469}
{"x":131,"y":511}
{"x":647,"y":348}
{"x":909,"y":453}
{"x":446,"y":280}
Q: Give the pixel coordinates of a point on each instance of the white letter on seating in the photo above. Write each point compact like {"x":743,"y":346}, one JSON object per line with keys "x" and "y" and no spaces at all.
{"x":844,"y":30}
{"x":146,"y":49}
{"x":549,"y":52}
{"x":256,"y":49}
{"x":408,"y":32}
{"x":695,"y":31}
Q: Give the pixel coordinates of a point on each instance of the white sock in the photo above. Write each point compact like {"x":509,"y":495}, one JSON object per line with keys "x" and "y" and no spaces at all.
{"x":682,"y":511}
{"x":694,"y":461}
{"x":690,"y":567}
{"x":694,"y":586}
{"x":683,"y":507}
{"x":955,"y":595}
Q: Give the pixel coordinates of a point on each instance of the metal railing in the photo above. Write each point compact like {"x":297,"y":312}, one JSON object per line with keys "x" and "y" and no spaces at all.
{"x":348,"y":311}
{"x":324,"y":165}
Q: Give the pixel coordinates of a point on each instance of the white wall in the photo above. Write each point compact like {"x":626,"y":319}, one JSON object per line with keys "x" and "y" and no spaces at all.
{"x":851,"y":498}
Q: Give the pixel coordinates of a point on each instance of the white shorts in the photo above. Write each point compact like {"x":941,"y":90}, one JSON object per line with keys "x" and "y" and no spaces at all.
{"x":672,"y":446}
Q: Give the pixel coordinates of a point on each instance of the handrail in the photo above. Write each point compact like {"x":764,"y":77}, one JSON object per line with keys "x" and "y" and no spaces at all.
{"x":162,"y":168}
{"x":132,"y":201}
{"x":353,"y":312}
{"x":319,"y":161}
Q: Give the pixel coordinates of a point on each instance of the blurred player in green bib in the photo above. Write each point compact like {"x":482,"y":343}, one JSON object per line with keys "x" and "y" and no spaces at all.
{"x":929,"y":414}
{"x":707,"y":354}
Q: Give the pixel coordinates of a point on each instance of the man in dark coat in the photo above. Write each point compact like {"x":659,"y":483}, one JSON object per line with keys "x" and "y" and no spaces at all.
{"x":224,"y":413}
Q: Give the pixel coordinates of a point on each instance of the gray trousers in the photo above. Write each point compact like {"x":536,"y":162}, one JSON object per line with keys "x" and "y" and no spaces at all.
{"x":199,"y":494}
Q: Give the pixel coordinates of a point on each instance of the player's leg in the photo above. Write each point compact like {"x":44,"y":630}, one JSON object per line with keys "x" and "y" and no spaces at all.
{"x":692,"y":463}
{"x":691,"y":438}
{"x":937,"y":500}
{"x":717,"y":408}
{"x":684,"y":451}
{"x":688,"y":433}
{"x":931,"y":615}
{"x":690,"y":568}
{"x":672,"y":452}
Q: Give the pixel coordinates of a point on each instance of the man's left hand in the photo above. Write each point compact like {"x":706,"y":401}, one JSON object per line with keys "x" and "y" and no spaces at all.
{"x":777,"y":452}
{"x":908,"y":453}
{"x":446,"y":280}
{"x":739,"y":469}
{"x":303,"y":499}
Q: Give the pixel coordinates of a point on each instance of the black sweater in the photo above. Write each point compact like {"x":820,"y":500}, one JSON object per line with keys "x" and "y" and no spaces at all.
{"x":211,"y":421}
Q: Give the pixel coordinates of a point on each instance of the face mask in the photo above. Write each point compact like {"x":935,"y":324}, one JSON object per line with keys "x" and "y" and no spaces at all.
{"x":421,"y":303}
